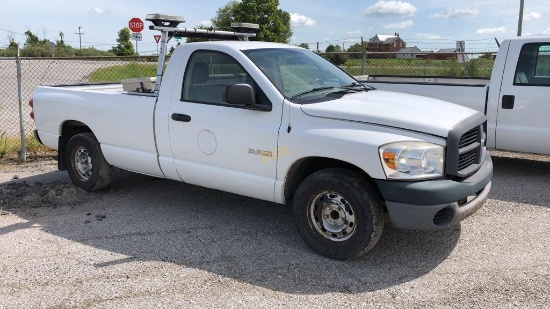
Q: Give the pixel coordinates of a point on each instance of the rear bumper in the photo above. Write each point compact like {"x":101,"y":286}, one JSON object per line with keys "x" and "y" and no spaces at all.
{"x":436,"y":204}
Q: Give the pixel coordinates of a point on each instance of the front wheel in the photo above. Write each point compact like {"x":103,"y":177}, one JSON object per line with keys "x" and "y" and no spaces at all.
{"x":338,"y":213}
{"x":87,"y":168}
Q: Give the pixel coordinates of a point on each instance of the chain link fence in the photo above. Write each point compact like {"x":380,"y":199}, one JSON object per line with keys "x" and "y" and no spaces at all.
{"x":63,"y":71}
{"x":415,"y":64}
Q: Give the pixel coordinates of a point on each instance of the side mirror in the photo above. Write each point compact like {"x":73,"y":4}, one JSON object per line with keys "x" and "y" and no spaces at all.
{"x":239,"y":94}
{"x":244,"y":95}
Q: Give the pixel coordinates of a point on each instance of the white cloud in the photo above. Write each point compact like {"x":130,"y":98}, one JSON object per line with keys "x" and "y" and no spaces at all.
{"x":491,"y":30}
{"x":400,"y":25}
{"x":352,"y":40}
{"x":98,"y":11}
{"x":428,"y":36}
{"x":532,"y":15}
{"x":298,"y":20}
{"x":355,"y":32}
{"x":457,"y":13}
{"x":205,"y":23}
{"x":547,"y":31}
{"x":385,"y":8}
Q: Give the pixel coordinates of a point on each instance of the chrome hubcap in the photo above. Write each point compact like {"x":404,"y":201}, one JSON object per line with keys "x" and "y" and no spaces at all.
{"x":83,"y":163}
{"x":332,"y":216}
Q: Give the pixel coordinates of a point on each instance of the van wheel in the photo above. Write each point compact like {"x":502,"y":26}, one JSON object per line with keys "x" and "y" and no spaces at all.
{"x":338,"y":213}
{"x":87,"y":166}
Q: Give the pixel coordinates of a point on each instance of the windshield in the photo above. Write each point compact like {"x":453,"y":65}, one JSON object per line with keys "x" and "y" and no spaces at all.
{"x":302,"y":75}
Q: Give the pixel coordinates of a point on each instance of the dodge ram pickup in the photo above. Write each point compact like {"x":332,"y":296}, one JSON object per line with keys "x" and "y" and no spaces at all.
{"x":277,"y":123}
{"x":514,"y":99}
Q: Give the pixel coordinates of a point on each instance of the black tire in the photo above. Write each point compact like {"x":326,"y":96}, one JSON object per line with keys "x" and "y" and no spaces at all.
{"x":338,"y":213}
{"x":86,"y":165}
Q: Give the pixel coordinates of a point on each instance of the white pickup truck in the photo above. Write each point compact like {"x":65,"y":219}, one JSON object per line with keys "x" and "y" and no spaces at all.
{"x":514,"y":100}
{"x":281,"y":124}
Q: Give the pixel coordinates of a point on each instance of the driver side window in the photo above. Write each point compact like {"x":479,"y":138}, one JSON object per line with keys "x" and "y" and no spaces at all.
{"x":208,"y":74}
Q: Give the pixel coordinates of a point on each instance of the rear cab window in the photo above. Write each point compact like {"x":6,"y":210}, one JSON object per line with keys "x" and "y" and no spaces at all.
{"x":533,"y":67}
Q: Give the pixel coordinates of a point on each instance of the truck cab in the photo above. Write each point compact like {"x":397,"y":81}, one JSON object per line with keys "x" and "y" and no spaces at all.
{"x":517,"y":108}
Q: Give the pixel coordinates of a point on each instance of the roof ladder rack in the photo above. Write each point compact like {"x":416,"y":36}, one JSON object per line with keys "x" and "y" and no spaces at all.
{"x":168,"y":26}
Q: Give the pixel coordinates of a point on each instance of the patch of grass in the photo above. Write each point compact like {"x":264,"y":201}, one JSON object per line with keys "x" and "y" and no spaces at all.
{"x":9,"y":146}
{"x":116,"y":73}
{"x":3,"y":145}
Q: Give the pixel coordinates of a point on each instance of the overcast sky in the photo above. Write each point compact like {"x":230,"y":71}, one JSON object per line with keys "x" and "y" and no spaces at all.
{"x":430,"y":25}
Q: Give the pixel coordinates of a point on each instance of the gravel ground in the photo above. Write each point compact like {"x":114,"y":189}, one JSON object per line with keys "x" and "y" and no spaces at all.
{"x":147,"y":242}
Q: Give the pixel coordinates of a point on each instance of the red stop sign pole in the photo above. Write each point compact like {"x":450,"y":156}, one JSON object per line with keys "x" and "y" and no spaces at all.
{"x":135,"y":24}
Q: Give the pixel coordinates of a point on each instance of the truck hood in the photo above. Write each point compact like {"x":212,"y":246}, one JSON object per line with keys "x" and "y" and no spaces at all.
{"x":399,"y":110}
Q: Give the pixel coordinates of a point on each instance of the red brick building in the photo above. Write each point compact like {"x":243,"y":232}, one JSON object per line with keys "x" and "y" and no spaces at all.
{"x":386,"y":43}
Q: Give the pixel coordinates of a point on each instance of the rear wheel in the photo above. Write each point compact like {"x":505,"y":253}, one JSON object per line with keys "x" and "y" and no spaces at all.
{"x":338,"y":213}
{"x":87,"y":168}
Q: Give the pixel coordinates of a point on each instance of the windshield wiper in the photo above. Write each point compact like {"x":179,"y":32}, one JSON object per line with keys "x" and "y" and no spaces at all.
{"x":312,"y":90}
{"x":355,"y":86}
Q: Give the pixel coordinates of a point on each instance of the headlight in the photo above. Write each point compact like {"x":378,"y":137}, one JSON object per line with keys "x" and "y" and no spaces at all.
{"x":412,"y":160}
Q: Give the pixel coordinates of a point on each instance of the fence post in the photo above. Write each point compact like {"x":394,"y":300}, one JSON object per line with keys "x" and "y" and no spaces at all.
{"x":23,"y":155}
{"x":363,"y":58}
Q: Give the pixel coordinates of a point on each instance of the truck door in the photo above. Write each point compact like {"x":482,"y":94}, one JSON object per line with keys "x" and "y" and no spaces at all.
{"x":220,"y":145}
{"x":523,"y":122}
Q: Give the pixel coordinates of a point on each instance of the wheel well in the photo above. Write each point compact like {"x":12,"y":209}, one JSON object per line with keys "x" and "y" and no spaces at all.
{"x":302,"y":168}
{"x":69,"y":129}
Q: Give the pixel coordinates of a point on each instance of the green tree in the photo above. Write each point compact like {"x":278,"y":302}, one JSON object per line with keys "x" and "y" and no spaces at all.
{"x":304,"y":45}
{"x":31,"y":38}
{"x":125,"y":46}
{"x":13,"y":44}
{"x":60,"y":42}
{"x":225,"y":16}
{"x":274,"y":23}
{"x":357,"y":48}
{"x":11,"y":39}
{"x":338,"y":58}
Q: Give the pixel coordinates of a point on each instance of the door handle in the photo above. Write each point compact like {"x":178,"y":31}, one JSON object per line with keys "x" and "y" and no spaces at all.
{"x":181,"y":117}
{"x":508,"y":101}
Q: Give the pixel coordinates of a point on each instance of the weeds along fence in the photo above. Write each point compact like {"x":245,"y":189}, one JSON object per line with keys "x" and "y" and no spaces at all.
{"x":16,"y":136}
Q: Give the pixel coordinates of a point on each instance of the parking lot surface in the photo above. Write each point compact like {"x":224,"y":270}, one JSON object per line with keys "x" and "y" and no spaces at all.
{"x":148,"y":242}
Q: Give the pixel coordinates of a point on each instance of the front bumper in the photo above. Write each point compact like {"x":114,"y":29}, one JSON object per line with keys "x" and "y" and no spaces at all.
{"x":436,"y":204}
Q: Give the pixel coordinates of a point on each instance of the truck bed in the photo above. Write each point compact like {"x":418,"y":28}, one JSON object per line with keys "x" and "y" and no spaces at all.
{"x":121,"y":121}
{"x":469,"y":92}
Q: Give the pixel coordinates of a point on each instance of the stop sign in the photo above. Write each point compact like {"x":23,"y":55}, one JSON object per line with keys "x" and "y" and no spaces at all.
{"x":135,"y":24}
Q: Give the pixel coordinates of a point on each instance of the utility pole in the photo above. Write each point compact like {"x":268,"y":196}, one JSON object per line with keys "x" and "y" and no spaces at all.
{"x":80,"y":36}
{"x":520,"y":21}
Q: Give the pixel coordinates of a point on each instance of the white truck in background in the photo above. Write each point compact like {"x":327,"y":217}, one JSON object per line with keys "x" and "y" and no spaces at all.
{"x":516,"y":100}
{"x":281,"y":124}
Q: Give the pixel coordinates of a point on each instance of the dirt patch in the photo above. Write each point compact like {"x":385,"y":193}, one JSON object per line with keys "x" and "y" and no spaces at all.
{"x":20,"y":196}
